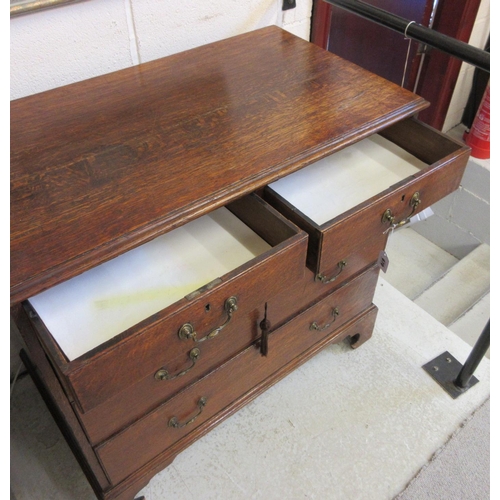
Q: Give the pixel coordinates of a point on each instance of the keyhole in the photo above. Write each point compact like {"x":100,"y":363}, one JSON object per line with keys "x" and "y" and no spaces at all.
{"x":207,"y":307}
{"x":403,"y":198}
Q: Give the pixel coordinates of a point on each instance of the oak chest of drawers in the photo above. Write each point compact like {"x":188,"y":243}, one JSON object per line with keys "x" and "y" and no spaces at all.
{"x":186,"y":232}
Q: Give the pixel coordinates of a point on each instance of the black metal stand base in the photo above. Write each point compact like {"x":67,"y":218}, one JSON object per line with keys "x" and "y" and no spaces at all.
{"x":445,"y":370}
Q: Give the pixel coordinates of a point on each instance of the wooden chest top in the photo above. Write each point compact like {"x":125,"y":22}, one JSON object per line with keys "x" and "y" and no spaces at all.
{"x":103,"y":165}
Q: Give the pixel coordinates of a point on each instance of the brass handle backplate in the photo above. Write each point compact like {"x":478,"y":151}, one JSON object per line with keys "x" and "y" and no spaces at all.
{"x":163,"y":374}
{"x":187,"y":330}
{"x":173,"y":422}
{"x":315,"y":326}
{"x":321,"y":277}
{"x":388,"y":217}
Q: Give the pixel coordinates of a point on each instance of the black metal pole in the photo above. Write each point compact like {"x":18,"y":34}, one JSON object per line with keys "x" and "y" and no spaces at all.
{"x":475,"y":357}
{"x":441,"y":367}
{"x":415,"y":31}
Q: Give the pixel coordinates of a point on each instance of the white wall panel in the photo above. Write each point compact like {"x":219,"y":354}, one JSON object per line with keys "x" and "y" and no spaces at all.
{"x":67,"y":44}
{"x":63,"y":45}
{"x":163,"y":31}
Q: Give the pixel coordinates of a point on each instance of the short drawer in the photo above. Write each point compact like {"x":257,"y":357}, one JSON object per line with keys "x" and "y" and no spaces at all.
{"x":182,"y":419}
{"x":183,"y":335}
{"x":348,"y":202}
{"x":120,"y":411}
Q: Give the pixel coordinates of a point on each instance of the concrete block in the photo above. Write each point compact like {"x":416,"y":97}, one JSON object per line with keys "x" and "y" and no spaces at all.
{"x":48,"y":51}
{"x":476,"y":180}
{"x":73,"y":42}
{"x":164,"y":28}
{"x":301,"y":29}
{"x":472,"y":214}
{"x":415,"y":262}
{"x":470,"y":325}
{"x":450,"y":237}
{"x":443,"y":207}
{"x":459,"y":289}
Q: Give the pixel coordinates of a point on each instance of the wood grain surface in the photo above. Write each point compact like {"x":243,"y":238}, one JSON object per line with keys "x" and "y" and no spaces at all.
{"x":151,"y":435}
{"x":359,"y":234}
{"x":146,"y":394}
{"x":99,"y":166}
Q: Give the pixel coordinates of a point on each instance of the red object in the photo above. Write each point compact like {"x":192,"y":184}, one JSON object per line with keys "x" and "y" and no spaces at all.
{"x":478,"y":138}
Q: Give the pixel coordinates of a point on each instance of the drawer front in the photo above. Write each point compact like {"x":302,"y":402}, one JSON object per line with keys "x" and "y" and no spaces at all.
{"x":186,"y":340}
{"x":200,"y":403}
{"x":344,"y":245}
{"x":120,"y":411}
{"x":369,"y":228}
{"x":159,"y":346}
{"x":356,"y":294}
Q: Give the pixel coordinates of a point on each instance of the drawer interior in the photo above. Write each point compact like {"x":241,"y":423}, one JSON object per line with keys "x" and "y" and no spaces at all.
{"x":331,"y":186}
{"x":95,"y":306}
{"x":335,"y":184}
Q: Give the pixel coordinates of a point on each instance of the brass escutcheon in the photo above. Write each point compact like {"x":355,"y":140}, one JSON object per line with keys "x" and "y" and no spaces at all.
{"x":388,"y":217}
{"x":187,"y":330}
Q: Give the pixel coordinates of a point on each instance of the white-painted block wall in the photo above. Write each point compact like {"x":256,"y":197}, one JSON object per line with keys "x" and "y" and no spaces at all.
{"x":74,"y":42}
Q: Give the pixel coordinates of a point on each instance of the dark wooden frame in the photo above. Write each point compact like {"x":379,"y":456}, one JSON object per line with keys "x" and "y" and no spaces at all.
{"x":439,"y":73}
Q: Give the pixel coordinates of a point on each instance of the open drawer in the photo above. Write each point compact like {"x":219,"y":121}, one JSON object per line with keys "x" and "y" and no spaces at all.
{"x":146,"y":315}
{"x":349,"y":201}
{"x":101,"y":422}
{"x":205,"y":403}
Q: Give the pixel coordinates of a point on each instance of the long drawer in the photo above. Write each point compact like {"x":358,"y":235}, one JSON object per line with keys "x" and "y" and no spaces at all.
{"x":114,"y":414}
{"x":179,"y":343}
{"x":171,"y":426}
{"x":348,"y":202}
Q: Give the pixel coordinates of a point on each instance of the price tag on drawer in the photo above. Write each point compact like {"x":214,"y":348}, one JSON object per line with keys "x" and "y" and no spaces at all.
{"x":383,"y":261}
